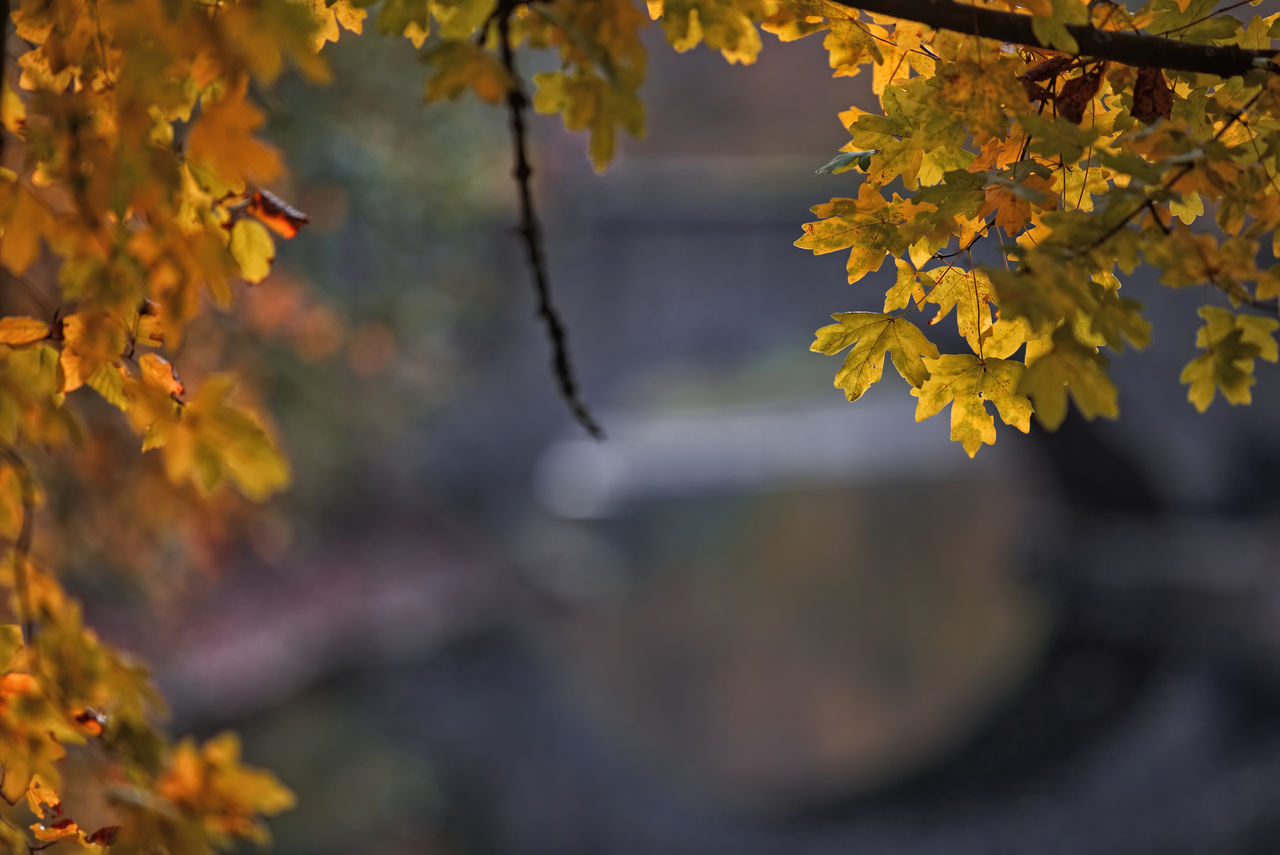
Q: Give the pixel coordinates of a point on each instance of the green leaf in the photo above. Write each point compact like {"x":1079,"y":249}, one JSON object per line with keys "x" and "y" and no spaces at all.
{"x":1053,"y":33}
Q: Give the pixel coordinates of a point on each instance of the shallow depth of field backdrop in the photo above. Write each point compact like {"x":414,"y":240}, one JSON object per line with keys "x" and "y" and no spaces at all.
{"x":468,"y":628}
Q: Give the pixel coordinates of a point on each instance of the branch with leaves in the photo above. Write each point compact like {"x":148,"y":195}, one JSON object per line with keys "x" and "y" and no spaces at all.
{"x":531,"y":233}
{"x":1065,"y":28}
{"x":1077,"y":140}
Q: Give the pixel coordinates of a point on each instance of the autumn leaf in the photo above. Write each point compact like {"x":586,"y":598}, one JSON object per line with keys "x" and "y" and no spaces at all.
{"x":13,"y":113}
{"x":104,"y":836}
{"x":252,"y":248}
{"x":1051,"y":20}
{"x":729,"y":27}
{"x":277,"y":214}
{"x":210,"y":781}
{"x":969,"y":293}
{"x":459,"y":66}
{"x":1151,"y":96}
{"x":967,"y":383}
{"x":1232,"y":344}
{"x":24,"y":221}
{"x":1069,"y":367}
{"x":869,"y":226}
{"x":870,"y":336}
{"x":222,"y":140}
{"x":157,"y":372}
{"x":587,"y":100}
{"x":1077,"y":92}
{"x":15,"y":331}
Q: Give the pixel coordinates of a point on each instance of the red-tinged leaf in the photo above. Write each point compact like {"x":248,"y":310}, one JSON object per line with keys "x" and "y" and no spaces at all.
{"x":43,"y":800}
{"x":59,"y":830}
{"x":90,"y":721}
{"x":277,"y":214}
{"x":17,"y":684}
{"x":104,"y":836}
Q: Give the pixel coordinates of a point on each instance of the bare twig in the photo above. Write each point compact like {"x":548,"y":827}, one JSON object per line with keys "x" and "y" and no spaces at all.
{"x":531,"y":234}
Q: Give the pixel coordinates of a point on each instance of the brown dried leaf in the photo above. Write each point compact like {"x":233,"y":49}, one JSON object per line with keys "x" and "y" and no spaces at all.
{"x":1151,"y":96}
{"x":1049,"y":68}
{"x":1078,"y":92}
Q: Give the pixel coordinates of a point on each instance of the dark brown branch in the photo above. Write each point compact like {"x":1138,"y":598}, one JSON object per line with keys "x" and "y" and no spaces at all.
{"x":531,"y":233}
{"x":1136,"y":49}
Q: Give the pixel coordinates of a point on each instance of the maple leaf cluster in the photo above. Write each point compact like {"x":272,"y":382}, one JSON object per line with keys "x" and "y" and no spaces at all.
{"x":1030,"y":173}
{"x":1072,"y":171}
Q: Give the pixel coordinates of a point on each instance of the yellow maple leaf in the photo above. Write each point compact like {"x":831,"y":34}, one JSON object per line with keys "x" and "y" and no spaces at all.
{"x":967,"y":383}
{"x":869,"y":227}
{"x":252,"y":248}
{"x":1068,"y":366}
{"x":970,"y":293}
{"x":16,"y":332}
{"x":871,"y":335}
{"x":1232,"y":343}
{"x":24,"y":220}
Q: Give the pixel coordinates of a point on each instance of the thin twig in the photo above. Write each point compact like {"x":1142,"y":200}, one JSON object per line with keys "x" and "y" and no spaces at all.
{"x":22,"y":546}
{"x":531,"y":234}
{"x":1215,"y":13}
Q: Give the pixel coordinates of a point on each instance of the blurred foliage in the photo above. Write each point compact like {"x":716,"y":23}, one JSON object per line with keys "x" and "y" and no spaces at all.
{"x":135,"y":213}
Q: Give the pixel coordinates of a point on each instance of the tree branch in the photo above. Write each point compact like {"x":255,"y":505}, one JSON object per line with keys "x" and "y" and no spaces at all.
{"x":531,"y":233}
{"x":1136,"y":49}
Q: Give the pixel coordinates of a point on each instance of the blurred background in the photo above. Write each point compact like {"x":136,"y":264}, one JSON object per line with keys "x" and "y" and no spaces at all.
{"x":756,"y":619}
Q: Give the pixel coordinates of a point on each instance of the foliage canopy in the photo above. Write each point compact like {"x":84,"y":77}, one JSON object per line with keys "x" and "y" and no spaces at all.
{"x":1064,"y":142}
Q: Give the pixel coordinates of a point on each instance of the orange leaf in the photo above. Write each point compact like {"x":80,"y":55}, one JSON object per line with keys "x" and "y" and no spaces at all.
{"x":90,"y":721}
{"x":20,"y":331}
{"x":55,"y":831}
{"x":276,"y":214}
{"x":158,"y":372}
{"x":43,"y":800}
{"x":17,"y":684}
